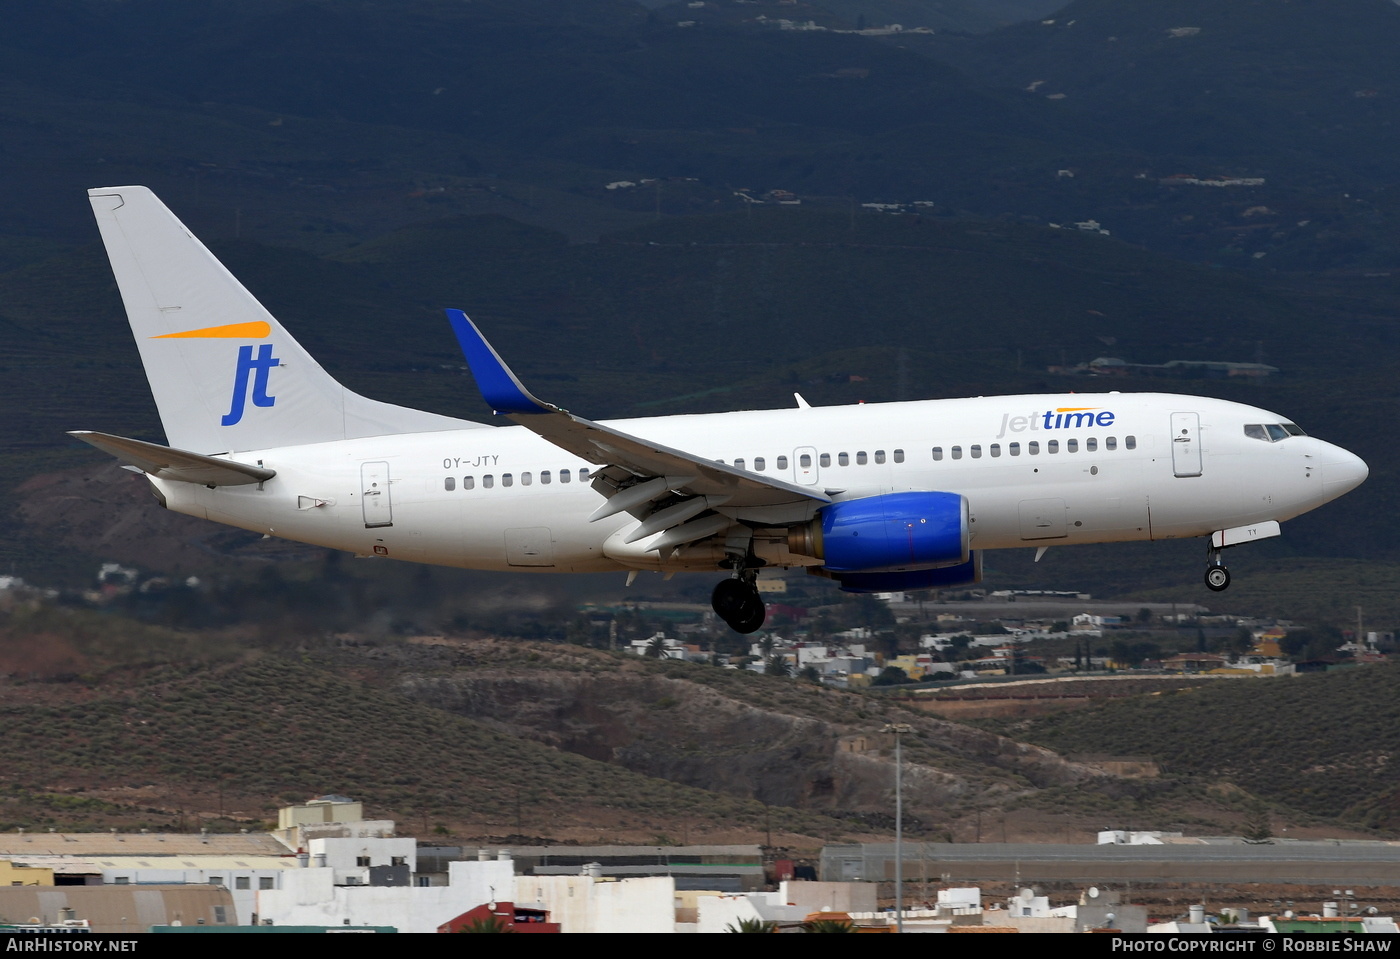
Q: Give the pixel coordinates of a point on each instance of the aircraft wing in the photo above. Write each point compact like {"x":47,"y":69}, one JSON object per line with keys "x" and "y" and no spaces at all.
{"x":166,"y":463}
{"x":656,"y":469}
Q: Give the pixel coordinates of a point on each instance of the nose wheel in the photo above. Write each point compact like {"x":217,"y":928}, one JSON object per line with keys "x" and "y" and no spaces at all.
{"x":736,"y":601}
{"x":1217,"y":576}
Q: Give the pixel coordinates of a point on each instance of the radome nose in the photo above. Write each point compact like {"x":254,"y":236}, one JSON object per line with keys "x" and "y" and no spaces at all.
{"x":1342,"y":472}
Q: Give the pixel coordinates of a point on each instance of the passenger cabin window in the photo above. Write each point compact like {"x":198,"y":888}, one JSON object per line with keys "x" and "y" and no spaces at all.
{"x":976,"y":452}
{"x":449,"y":484}
{"x":1110,"y":443}
{"x":759,"y":463}
{"x":995,"y":450}
{"x":583,"y":476}
{"x":879,"y":457}
{"x":957,"y":452}
{"x":899,"y":456}
{"x":739,"y":463}
{"x":1130,"y":442}
{"x":488,"y":481}
{"x":544,"y":477}
{"x":1091,"y":444}
{"x":938,"y":452}
{"x":805,"y":461}
{"x":563,"y":476}
{"x":468,"y":482}
{"x":1052,"y":446}
{"x":843,"y":459}
{"x":782,"y":462}
{"x":860,"y":458}
{"x":825,"y":459}
{"x":1014,"y":449}
{"x":526,"y":479}
{"x":507,"y":479}
{"x":1071,"y":446}
{"x":1033,"y":448}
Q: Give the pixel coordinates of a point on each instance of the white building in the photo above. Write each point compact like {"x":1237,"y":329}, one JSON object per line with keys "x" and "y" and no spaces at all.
{"x":242,"y":876}
{"x":351,"y":859}
{"x":311,"y":897}
{"x":794,"y":901}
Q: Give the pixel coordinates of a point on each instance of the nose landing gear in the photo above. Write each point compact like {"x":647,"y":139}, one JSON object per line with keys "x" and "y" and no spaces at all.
{"x":1217,"y":576}
{"x":736,"y":601}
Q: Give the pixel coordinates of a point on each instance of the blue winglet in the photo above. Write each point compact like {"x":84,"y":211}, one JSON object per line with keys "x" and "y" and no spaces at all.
{"x":497,"y":383}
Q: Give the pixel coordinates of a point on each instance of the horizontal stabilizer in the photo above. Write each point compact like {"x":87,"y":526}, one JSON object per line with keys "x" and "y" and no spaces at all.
{"x":166,"y":463}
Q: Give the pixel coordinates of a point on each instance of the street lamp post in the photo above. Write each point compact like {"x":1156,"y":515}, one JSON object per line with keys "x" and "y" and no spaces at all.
{"x":898,"y":729}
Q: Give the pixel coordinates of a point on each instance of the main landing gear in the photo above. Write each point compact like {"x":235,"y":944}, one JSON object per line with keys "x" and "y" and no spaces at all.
{"x":736,"y":601}
{"x":1217,"y":576}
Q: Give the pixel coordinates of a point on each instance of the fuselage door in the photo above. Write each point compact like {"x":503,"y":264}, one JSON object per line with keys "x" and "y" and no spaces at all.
{"x":804,"y":465}
{"x":374,"y":495}
{"x":1186,"y":444}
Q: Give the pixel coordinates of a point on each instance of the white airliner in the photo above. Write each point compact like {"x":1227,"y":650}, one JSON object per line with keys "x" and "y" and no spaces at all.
{"x":876,"y":497}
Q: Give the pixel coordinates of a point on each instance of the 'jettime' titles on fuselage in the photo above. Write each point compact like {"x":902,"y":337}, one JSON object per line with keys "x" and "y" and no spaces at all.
{"x":1061,"y":418}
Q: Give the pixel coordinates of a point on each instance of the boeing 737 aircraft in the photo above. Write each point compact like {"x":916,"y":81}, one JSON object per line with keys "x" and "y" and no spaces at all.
{"x":891,"y":496}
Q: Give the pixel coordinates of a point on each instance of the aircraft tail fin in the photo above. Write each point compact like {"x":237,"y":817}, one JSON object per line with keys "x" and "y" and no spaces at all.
{"x":225,"y":374}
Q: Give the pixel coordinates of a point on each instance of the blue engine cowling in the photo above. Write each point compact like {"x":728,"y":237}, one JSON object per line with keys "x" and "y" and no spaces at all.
{"x":964,"y":574}
{"x":894,"y":532}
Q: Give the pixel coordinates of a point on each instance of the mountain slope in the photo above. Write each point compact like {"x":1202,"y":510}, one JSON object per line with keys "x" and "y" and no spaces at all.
{"x":1323,"y":744}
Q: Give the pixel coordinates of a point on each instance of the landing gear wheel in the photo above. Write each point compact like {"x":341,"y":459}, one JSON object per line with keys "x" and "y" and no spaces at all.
{"x":730,"y":597}
{"x":1217,"y":578}
{"x":736,"y":601}
{"x":751,"y":618}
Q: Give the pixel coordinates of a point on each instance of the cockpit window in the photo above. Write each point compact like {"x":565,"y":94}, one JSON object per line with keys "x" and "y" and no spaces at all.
{"x":1272,"y":432}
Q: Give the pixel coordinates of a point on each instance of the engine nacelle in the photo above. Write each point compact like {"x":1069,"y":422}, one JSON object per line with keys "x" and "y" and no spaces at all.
{"x":889,"y":533}
{"x":964,"y":574}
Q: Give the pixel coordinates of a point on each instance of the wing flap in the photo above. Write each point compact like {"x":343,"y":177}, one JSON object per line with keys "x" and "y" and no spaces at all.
{"x":172,"y":464}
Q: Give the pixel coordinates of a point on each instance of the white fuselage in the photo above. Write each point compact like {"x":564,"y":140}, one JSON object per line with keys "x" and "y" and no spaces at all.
{"x":1114,"y":467}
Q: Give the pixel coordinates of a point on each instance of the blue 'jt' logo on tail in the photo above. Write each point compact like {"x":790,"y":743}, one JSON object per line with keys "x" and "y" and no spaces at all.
{"x":258,"y":367}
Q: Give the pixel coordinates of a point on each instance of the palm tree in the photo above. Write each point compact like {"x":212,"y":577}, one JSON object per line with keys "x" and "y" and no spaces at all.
{"x":487,"y":924}
{"x":752,"y":925}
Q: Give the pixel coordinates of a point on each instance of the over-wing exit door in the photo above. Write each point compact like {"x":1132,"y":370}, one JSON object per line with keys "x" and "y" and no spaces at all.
{"x":804,"y":465}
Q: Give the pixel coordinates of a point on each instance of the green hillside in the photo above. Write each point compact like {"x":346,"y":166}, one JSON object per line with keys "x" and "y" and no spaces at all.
{"x":231,"y":740}
{"x":111,"y":723}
